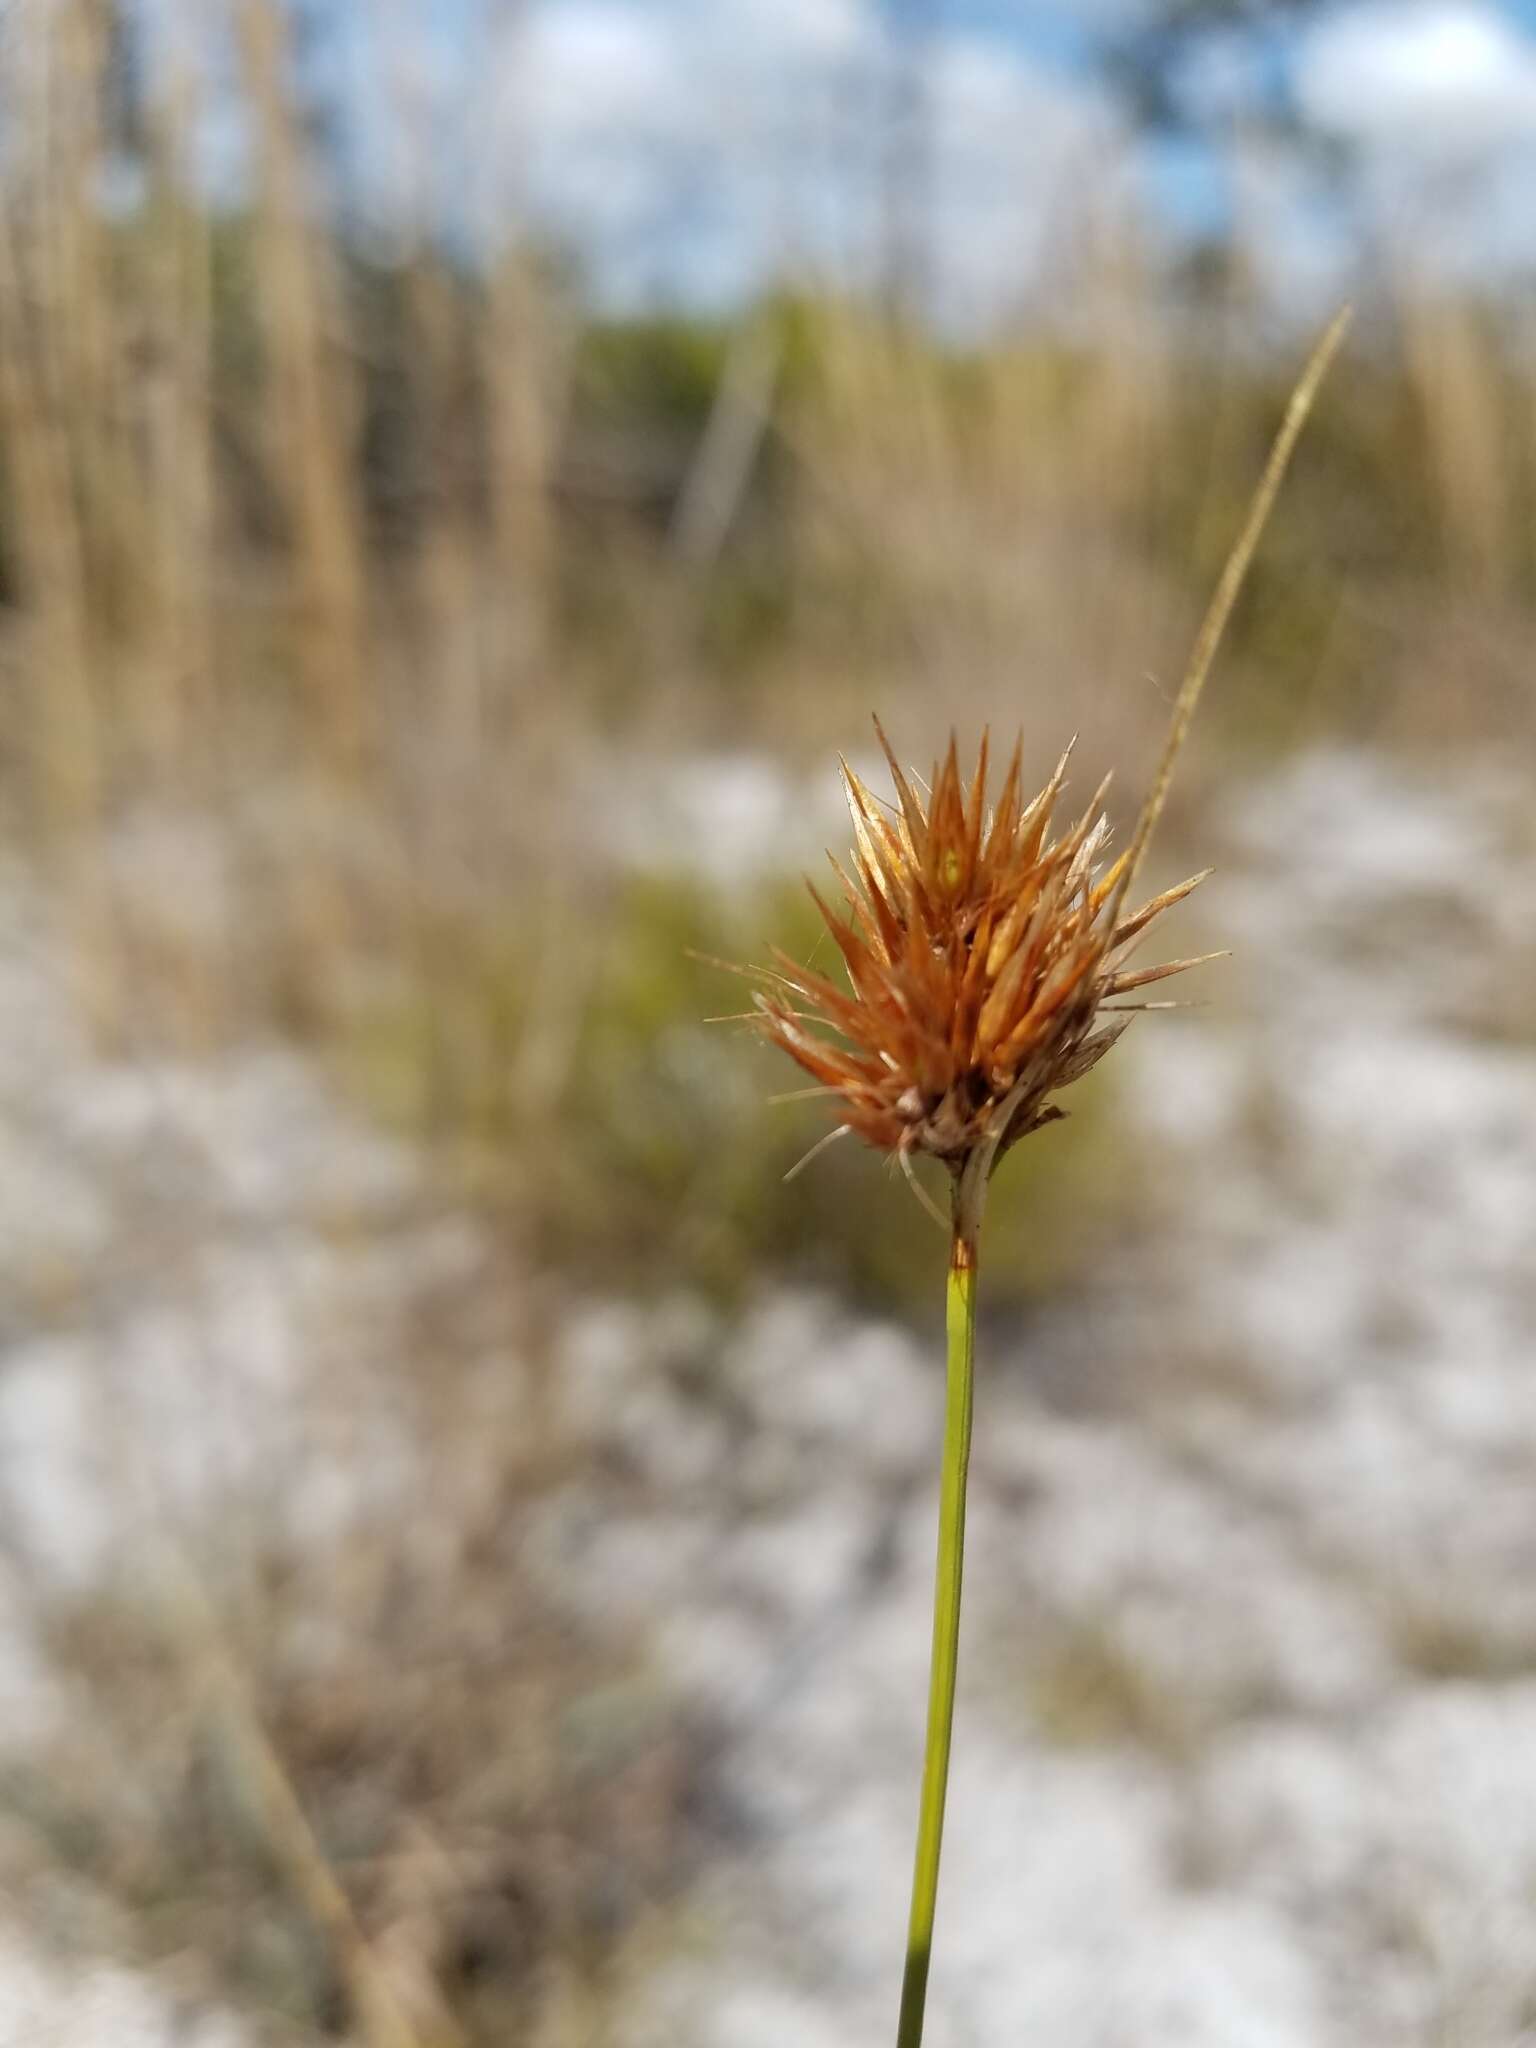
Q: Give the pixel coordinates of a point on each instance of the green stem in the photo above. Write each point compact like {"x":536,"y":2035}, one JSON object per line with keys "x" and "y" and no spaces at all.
{"x":969,"y":1197}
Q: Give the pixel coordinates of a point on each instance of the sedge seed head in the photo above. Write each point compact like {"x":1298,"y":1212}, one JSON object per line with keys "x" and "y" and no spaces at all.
{"x":981,"y":946}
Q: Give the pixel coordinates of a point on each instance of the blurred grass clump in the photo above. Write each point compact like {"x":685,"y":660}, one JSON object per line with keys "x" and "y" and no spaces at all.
{"x":656,"y":1155}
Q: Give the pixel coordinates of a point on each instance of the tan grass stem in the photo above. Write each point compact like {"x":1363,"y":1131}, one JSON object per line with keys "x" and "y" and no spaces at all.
{"x":1233,"y":576}
{"x":286,"y":1832}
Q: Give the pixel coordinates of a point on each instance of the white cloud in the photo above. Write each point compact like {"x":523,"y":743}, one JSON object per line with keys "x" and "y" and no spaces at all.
{"x":1296,"y":240}
{"x":700,"y":146}
{"x":1435,"y":80}
{"x":1015,"y":150}
{"x":815,"y":31}
{"x":1440,"y":97}
{"x":1222,"y":77}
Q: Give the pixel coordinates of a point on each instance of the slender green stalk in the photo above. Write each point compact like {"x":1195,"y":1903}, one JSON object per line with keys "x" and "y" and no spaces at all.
{"x":960,"y":1316}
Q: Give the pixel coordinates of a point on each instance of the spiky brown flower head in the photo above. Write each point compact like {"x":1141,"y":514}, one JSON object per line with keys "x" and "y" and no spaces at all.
{"x":982,"y":954}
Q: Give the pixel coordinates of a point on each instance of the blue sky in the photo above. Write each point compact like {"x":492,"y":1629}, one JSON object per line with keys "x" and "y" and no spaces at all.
{"x":692,"y":150}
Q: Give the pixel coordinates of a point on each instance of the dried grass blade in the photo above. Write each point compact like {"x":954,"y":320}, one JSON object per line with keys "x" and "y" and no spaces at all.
{"x":1233,"y":576}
